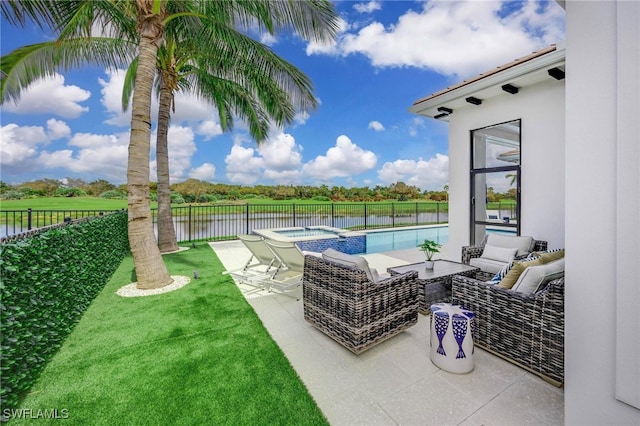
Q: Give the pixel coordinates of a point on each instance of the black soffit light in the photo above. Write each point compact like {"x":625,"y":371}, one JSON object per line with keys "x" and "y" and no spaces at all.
{"x":439,"y":116}
{"x":473,"y":100}
{"x":556,"y":73}
{"x":445,"y":110}
{"x":510,"y":88}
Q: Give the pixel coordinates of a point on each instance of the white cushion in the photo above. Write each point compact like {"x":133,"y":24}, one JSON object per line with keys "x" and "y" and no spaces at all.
{"x":487,"y":265}
{"x":499,"y":253}
{"x":523,"y":244}
{"x":351,"y":260}
{"x":535,"y":277}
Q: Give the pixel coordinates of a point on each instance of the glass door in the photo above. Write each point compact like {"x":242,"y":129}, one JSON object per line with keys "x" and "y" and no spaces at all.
{"x":495,"y":180}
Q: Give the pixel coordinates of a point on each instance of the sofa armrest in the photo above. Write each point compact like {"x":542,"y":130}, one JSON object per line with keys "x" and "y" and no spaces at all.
{"x":527,"y":329}
{"x":469,"y":252}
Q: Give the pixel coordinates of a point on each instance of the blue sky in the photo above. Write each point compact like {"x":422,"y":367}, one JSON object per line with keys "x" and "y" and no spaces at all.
{"x":388,"y":54}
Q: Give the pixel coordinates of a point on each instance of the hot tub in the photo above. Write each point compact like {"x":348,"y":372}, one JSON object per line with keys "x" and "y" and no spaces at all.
{"x":318,"y":238}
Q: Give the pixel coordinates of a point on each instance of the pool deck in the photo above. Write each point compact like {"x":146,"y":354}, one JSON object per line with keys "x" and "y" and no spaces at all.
{"x":395,"y":382}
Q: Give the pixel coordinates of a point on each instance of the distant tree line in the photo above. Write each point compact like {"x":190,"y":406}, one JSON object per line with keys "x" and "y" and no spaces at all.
{"x":198,"y":191}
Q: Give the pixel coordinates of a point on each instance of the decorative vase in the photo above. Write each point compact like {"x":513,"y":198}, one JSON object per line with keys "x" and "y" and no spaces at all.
{"x":429,"y":264}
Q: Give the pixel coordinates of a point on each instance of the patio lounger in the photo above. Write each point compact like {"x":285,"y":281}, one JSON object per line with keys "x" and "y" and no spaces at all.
{"x":261,"y":264}
{"x":287,"y":277}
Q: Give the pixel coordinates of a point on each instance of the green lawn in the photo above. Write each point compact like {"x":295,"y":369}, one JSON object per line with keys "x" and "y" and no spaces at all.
{"x":64,"y":203}
{"x":96,"y":203}
{"x":198,"y":355}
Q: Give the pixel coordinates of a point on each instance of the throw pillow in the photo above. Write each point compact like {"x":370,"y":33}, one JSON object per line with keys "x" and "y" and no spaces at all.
{"x":535,"y":277}
{"x":524,"y":243}
{"x":498,"y":253}
{"x":506,"y":268}
{"x":350,"y":260}
{"x":551,"y":255}
{"x":518,"y":268}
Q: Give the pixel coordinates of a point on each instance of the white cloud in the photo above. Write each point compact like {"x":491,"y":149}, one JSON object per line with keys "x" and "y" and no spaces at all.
{"x":100,"y":156}
{"x":57,"y":129}
{"x":112,"y":98}
{"x":376,"y":125}
{"x":182,"y":146}
{"x":242,"y":166}
{"x":278,"y":159}
{"x":454,"y":38}
{"x":417,"y":123}
{"x":89,"y":140}
{"x":329,"y":47}
{"x":301,"y":117}
{"x":281,"y":153}
{"x":432,"y":174}
{"x":28,"y":149}
{"x":19,"y":146}
{"x":209,"y":129}
{"x":188,"y":107}
{"x":206,"y":172}
{"x":343,"y":159}
{"x":50,"y":96}
{"x":369,"y":7}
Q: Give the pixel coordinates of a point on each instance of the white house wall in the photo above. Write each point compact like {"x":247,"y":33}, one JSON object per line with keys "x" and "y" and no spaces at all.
{"x":602,"y":284}
{"x":541,"y":109}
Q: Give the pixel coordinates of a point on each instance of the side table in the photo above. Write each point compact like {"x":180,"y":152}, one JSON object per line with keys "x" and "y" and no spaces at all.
{"x":452,"y":338}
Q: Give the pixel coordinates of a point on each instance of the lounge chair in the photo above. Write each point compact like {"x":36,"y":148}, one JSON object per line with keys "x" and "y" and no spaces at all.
{"x":288,"y":275}
{"x":342,"y":301}
{"x":262,"y":263}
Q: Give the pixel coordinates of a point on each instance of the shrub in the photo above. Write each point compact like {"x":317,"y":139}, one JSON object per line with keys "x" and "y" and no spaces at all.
{"x":69,"y":192}
{"x":321,"y":198}
{"x":114,"y":194}
{"x":48,"y":281}
{"x":207,"y":198}
{"x":12,"y":194}
{"x":176,"y":198}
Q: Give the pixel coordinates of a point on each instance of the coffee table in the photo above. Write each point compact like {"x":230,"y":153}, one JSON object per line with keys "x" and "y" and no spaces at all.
{"x":435,"y":284}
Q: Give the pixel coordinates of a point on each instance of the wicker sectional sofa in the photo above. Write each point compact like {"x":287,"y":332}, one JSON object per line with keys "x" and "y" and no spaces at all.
{"x":526,"y":329}
{"x":343,"y":302}
{"x":471,"y":252}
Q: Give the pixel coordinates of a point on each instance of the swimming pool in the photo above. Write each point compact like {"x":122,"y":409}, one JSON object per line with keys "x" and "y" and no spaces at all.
{"x":398,"y":239}
{"x":319,"y":238}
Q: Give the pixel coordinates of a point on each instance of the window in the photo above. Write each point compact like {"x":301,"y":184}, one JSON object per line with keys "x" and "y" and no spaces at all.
{"x":495,"y":180}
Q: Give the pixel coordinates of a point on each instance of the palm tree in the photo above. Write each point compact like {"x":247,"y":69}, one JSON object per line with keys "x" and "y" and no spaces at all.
{"x":244,"y":85}
{"x":314,"y":19}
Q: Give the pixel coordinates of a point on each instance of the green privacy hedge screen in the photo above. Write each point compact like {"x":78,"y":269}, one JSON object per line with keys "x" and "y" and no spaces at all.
{"x":48,"y":281}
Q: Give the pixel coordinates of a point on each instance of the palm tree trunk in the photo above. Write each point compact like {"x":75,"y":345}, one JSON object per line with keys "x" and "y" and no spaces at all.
{"x":166,"y":231}
{"x":151,"y":271}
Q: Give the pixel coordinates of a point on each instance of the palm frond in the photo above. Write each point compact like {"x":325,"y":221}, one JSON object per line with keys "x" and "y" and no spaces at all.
{"x":29,"y":63}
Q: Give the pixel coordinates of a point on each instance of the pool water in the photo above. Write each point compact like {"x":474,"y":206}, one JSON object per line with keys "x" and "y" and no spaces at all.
{"x":381,"y":241}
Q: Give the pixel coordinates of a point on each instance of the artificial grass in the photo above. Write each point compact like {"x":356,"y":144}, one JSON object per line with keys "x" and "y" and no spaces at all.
{"x":197,"y":355}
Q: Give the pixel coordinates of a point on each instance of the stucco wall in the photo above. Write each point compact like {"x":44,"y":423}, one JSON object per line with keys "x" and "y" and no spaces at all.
{"x":602,"y":233}
{"x":541,"y":109}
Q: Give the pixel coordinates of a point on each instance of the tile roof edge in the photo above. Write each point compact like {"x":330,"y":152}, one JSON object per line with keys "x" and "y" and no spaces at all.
{"x":496,"y":70}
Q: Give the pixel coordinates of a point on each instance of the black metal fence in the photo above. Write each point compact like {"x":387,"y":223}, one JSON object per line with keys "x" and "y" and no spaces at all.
{"x":216,"y":222}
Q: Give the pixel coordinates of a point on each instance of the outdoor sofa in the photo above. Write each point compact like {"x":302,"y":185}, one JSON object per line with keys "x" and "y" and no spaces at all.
{"x":526,"y":329}
{"x":493,"y":253}
{"x":348,"y":302}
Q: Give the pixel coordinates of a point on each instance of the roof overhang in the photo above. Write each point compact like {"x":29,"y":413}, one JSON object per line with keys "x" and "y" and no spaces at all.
{"x":518,"y":74}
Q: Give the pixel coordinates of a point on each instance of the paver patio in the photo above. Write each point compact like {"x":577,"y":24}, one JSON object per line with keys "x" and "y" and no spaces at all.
{"x":395,"y":383}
